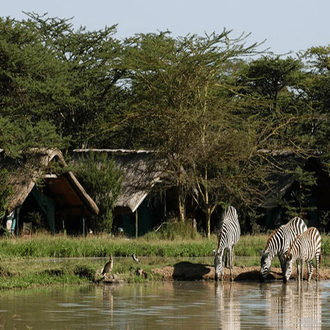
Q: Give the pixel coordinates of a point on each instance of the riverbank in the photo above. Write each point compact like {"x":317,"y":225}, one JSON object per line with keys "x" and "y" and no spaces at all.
{"x":70,"y":271}
{"x":190,"y":271}
{"x":56,"y":260}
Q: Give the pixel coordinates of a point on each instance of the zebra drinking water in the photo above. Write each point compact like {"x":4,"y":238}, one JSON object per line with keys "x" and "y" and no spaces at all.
{"x":303,"y":249}
{"x":278,"y":243}
{"x":228,"y":235}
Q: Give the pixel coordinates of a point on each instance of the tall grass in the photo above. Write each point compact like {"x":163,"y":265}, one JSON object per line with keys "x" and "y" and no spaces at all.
{"x":61,"y":246}
{"x":44,"y":246}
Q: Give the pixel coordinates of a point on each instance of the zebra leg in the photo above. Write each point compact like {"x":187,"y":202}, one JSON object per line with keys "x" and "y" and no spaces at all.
{"x":225,"y":258}
{"x":317,"y":267}
{"x":310,"y":269}
{"x":231,"y":263}
{"x":282,"y":262}
{"x":298,"y":270}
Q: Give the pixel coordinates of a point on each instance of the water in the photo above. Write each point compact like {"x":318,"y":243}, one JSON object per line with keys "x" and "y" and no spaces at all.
{"x":170,"y":305}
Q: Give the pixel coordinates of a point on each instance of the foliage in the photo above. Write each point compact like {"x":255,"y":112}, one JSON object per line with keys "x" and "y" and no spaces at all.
{"x":174,"y":230}
{"x":298,"y":203}
{"x":28,"y":71}
{"x":90,"y":97}
{"x":314,"y":89}
{"x":273,"y":79}
{"x":5,"y":191}
{"x":181,"y":87}
{"x":197,"y":100}
{"x":102,"y":182}
{"x":18,"y":137}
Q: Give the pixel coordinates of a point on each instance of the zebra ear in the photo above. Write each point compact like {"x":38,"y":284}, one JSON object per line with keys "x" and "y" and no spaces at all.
{"x":261,"y":252}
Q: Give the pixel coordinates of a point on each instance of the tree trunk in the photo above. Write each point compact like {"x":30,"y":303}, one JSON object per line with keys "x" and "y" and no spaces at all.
{"x":182,"y":207}
{"x":208,"y":221}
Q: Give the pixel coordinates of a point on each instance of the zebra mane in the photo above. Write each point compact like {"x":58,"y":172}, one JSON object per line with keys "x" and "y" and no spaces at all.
{"x":270,"y":237}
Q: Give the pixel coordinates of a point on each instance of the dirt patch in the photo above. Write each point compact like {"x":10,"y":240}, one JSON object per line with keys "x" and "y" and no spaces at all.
{"x":189,"y":271}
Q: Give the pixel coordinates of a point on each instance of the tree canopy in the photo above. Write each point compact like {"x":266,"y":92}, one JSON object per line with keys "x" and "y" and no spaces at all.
{"x":210,"y":106}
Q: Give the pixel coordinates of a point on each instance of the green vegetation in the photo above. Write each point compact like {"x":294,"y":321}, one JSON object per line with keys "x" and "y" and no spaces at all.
{"x":99,"y":176}
{"x":205,"y":104}
{"x":59,"y":246}
{"x":54,"y":260}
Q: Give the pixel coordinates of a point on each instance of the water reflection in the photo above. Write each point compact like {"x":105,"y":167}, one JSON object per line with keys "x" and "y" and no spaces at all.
{"x":295,"y":306}
{"x":170,"y":305}
{"x":227,"y":306}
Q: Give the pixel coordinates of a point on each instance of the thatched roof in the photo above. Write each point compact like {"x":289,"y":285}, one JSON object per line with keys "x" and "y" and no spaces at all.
{"x":138,"y":178}
{"x":26,"y":172}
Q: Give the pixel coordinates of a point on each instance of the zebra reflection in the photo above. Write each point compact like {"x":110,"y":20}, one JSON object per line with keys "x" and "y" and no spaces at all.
{"x":227,"y":306}
{"x":296,"y":306}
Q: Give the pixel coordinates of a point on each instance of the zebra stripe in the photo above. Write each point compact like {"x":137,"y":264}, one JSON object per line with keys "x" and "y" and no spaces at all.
{"x":303,"y":249}
{"x":228,"y":235}
{"x":278,"y":244}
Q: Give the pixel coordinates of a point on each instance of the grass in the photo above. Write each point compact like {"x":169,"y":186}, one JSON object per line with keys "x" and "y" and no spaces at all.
{"x":27,"y":262}
{"x":60,"y":246}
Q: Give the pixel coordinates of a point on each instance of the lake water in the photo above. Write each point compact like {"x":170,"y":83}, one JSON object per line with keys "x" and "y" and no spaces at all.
{"x":170,"y":305}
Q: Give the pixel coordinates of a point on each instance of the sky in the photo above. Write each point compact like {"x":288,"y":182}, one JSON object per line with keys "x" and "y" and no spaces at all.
{"x":286,"y":26}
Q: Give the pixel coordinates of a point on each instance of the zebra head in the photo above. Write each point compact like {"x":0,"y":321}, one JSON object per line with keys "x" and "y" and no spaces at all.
{"x":218,"y":265}
{"x":265,"y":265}
{"x":288,"y":262}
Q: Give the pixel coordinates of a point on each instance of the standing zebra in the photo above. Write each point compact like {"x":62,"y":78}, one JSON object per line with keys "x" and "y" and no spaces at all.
{"x":228,"y":235}
{"x":278,"y":243}
{"x":304,"y":248}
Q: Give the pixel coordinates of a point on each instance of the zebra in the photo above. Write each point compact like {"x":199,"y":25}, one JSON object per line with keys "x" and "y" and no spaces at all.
{"x":228,"y":235}
{"x":278,"y":243}
{"x":305,"y":247}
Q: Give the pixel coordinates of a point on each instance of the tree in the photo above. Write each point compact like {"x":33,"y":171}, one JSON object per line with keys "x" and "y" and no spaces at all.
{"x":5,"y":191}
{"x":91,"y":95}
{"x":102,"y":181}
{"x":273,"y":79}
{"x":27,"y":72}
{"x":184,"y":102}
{"x":315,"y":91}
{"x":50,"y":72}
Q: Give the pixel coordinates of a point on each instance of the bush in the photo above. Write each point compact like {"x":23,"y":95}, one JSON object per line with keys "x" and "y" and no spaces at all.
{"x":173,"y":230}
{"x":102,"y":181}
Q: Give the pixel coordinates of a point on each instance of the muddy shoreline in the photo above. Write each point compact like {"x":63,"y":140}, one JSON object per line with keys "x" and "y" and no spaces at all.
{"x":190,"y":272}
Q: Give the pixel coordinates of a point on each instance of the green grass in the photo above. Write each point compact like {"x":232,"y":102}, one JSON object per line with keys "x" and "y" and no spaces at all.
{"x":45,"y":246}
{"x":28,"y":262}
{"x":21,"y":274}
{"x":60,"y":246}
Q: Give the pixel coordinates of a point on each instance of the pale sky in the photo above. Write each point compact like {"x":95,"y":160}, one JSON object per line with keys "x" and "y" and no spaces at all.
{"x":287,"y":25}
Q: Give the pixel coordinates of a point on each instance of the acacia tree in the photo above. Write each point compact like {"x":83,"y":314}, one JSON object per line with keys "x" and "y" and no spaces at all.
{"x":183,"y":91}
{"x":28,"y":72}
{"x":271,"y":78}
{"x":68,"y":77}
{"x":315,"y":91}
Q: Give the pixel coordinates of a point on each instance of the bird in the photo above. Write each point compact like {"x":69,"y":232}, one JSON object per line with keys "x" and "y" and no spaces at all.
{"x":214,"y":251}
{"x":108,"y":267}
{"x":135,"y":258}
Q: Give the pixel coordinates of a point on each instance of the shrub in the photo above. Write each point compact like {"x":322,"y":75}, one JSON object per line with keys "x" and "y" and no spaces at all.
{"x":102,"y":181}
